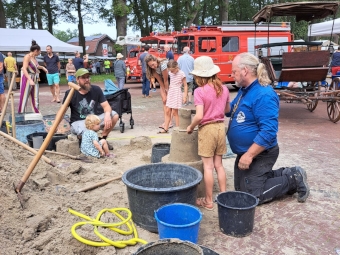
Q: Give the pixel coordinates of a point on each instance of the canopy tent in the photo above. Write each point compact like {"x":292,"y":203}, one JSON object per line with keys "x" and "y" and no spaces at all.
{"x":301,"y":10}
{"x":324,"y":28}
{"x":21,"y":40}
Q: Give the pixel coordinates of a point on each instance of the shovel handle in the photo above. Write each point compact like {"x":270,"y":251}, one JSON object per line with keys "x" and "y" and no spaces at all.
{"x":6,"y":101}
{"x":58,"y":118}
{"x":98,"y":184}
{"x":25,"y":146}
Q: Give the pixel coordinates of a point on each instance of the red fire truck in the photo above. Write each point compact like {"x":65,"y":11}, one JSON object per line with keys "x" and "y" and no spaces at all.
{"x":156,"y":41}
{"x":223,"y":43}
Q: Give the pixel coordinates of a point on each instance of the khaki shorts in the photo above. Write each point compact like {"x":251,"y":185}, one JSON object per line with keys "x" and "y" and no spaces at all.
{"x":190,"y":86}
{"x":211,"y":140}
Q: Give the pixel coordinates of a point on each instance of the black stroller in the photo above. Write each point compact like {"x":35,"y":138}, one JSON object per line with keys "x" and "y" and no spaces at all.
{"x":120,"y":102}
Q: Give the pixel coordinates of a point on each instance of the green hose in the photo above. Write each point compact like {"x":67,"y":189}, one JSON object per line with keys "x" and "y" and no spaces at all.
{"x":113,"y":226}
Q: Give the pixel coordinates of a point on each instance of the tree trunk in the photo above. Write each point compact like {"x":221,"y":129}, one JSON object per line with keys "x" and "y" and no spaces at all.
{"x":32,"y":19}
{"x":121,"y":19}
{"x":167,"y":17}
{"x":204,"y":10}
{"x":39,"y":19}
{"x":223,"y":10}
{"x":49,"y":16}
{"x":2,"y":15}
{"x":81,"y":27}
{"x":192,"y":12}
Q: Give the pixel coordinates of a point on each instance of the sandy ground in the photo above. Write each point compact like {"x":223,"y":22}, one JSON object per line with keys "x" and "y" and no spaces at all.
{"x":281,"y":227}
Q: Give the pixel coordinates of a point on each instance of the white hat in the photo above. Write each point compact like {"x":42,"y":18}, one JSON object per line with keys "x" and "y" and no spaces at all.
{"x":119,"y":55}
{"x":204,"y":67}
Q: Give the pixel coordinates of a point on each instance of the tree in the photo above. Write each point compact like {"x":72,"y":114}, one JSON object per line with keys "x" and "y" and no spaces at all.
{"x":84,"y":9}
{"x":2,"y":15}
{"x":65,"y":35}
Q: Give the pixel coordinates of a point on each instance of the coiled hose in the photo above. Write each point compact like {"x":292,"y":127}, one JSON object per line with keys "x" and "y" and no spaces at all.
{"x":113,"y":226}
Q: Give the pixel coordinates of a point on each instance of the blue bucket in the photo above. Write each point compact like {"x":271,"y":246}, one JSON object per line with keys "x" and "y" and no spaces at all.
{"x":178,"y":220}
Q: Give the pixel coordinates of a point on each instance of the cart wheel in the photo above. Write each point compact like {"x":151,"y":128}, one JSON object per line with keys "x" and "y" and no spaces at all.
{"x":132,"y":122}
{"x":333,"y":111}
{"x":312,"y":105}
{"x":122,"y":127}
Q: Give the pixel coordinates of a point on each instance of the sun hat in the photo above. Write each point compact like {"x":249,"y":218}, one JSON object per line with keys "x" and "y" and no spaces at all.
{"x":119,"y":55}
{"x":81,"y":72}
{"x":204,"y":67}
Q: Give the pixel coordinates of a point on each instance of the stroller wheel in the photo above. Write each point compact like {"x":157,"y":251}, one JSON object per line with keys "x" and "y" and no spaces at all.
{"x":122,"y":127}
{"x":132,"y":123}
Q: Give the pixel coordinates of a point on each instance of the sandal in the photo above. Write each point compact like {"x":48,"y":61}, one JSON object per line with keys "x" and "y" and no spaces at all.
{"x":110,"y":155}
{"x":171,"y":126}
{"x":201,"y":202}
{"x":162,"y":132}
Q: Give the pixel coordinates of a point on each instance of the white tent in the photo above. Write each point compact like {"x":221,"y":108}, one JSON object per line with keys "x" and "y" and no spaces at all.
{"x":21,"y":40}
{"x":324,"y":28}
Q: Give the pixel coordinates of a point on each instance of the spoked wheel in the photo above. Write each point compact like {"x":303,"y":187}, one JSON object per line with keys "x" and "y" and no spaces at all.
{"x":333,"y":105}
{"x":311,"y":105}
{"x":333,"y":111}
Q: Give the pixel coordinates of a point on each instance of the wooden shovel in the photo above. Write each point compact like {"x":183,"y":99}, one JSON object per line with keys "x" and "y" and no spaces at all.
{"x":59,"y":117}
{"x":7,"y":99}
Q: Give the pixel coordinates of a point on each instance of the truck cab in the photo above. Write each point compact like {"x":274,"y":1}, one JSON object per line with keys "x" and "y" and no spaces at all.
{"x":223,"y":43}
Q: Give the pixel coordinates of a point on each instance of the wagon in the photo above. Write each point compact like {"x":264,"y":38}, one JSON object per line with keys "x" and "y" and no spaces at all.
{"x":309,"y":67}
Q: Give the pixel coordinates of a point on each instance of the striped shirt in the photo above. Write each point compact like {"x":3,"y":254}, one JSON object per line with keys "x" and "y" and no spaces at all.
{"x":175,"y":97}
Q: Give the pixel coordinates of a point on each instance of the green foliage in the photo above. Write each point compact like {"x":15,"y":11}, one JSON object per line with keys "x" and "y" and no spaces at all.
{"x":65,"y":35}
{"x":118,"y":48}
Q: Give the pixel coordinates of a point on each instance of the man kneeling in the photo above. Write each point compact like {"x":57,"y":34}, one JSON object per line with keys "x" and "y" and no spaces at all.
{"x":85,"y":102}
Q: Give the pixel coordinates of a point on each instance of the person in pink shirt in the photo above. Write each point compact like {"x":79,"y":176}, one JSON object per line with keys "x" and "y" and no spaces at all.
{"x":212,"y":102}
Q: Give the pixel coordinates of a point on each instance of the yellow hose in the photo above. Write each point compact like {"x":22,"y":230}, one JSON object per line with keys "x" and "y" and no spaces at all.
{"x":113,"y":226}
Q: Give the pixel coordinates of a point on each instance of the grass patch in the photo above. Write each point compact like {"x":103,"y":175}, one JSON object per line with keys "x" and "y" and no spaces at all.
{"x":94,"y":78}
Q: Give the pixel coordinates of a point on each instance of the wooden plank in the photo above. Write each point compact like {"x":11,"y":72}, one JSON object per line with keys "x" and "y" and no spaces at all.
{"x":270,"y":69}
{"x":305,"y":59}
{"x":304,"y":74}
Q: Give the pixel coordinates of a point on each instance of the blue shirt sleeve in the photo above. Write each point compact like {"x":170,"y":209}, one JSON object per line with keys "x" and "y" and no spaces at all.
{"x":266,"y":112}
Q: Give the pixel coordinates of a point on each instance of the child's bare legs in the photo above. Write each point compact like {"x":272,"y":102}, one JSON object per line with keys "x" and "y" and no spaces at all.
{"x":105,"y":146}
{"x":174,"y":113}
{"x":221,"y":175}
{"x":167,"y":115}
{"x":208,"y":166}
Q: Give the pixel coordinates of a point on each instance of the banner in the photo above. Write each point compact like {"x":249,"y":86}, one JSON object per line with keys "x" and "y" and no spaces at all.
{"x":105,"y":51}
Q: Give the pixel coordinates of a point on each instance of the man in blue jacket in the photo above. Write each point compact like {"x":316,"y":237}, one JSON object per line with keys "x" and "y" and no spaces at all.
{"x":252,"y":134}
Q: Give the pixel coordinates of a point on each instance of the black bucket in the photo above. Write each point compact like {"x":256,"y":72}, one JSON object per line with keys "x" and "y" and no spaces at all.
{"x":151,"y":186}
{"x":159,"y":150}
{"x":169,"y":247}
{"x":3,"y":127}
{"x":207,"y":251}
{"x":52,"y":145}
{"x":236,"y":212}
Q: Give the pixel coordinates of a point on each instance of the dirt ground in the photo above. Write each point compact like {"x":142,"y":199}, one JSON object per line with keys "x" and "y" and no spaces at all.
{"x":281,"y":227}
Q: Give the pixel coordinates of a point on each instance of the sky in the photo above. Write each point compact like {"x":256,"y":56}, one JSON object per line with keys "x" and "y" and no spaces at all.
{"x":98,"y":28}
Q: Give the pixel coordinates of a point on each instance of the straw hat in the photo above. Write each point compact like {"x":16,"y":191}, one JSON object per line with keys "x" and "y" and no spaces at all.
{"x":204,"y":67}
{"x":119,"y":55}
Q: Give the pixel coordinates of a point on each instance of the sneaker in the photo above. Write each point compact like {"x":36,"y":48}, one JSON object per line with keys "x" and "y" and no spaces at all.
{"x":302,"y":187}
{"x":154,"y":90}
{"x":189,"y":103}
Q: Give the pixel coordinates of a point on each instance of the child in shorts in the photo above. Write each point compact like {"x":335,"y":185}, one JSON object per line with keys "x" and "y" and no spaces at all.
{"x":90,"y":143}
{"x":211,"y":102}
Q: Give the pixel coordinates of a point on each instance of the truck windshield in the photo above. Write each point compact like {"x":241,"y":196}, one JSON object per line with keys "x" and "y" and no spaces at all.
{"x":183,"y":41}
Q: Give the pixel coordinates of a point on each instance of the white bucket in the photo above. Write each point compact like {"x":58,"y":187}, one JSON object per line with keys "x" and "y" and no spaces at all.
{"x":37,"y":141}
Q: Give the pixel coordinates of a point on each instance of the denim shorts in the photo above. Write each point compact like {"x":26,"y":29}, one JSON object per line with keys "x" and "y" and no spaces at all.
{"x":2,"y":89}
{"x":53,"y":78}
{"x":71,"y":78}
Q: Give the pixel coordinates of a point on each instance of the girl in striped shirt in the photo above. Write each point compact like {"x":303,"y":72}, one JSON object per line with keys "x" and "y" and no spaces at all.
{"x":175,"y":97}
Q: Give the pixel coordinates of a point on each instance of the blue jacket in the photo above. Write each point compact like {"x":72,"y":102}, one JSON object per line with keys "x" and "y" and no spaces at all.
{"x":255,"y":119}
